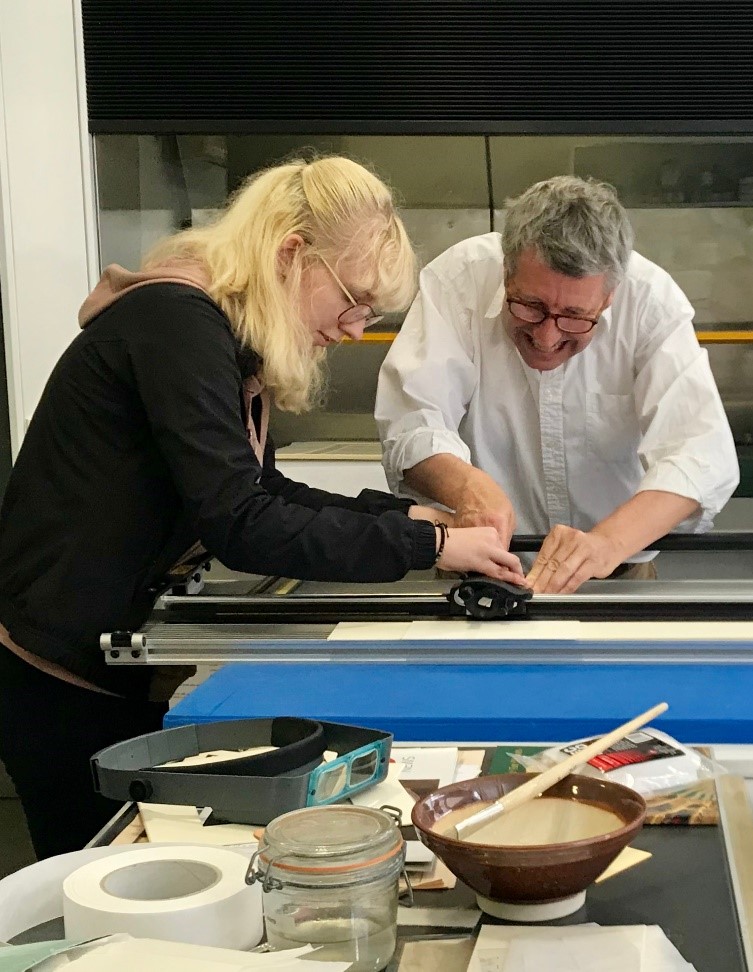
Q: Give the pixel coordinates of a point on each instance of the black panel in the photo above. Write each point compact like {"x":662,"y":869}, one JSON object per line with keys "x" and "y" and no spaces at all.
{"x":440,"y":66}
{"x":684,"y":888}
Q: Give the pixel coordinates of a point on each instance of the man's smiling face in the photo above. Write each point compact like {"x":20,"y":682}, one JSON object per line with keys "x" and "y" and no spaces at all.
{"x":545,"y":346}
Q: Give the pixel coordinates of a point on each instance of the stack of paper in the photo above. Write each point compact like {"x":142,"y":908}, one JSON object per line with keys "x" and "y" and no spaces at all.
{"x":575,"y":948}
{"x":414,"y":772}
{"x":424,"y":769}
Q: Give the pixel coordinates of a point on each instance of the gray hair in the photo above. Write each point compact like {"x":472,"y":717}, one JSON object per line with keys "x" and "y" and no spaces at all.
{"x":578,"y":227}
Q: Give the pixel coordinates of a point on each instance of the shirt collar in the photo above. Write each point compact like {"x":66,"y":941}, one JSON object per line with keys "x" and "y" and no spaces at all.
{"x":495,"y":307}
{"x":605,"y":321}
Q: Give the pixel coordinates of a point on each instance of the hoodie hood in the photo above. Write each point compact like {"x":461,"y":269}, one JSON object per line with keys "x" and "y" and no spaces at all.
{"x":117,"y":281}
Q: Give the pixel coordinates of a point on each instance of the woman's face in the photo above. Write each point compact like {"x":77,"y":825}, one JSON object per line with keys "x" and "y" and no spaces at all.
{"x":329,"y":306}
{"x":323,"y":302}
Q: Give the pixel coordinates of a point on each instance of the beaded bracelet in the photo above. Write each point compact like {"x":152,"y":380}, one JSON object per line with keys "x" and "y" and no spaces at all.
{"x":444,"y":531}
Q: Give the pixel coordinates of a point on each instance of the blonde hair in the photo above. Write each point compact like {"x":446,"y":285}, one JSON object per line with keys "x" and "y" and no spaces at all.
{"x":342,"y":211}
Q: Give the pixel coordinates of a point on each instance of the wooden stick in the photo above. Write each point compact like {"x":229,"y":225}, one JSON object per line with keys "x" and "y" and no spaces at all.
{"x":538,"y":784}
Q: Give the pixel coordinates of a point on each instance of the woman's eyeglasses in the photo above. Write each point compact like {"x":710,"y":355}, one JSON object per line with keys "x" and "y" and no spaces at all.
{"x":357,"y":313}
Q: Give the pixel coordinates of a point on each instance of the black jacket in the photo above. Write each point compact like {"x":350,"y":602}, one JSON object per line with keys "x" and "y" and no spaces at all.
{"x":137,"y":449}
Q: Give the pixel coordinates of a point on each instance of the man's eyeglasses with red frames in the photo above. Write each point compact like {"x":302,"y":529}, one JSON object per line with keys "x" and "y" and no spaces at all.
{"x":537,"y":314}
{"x":357,"y":313}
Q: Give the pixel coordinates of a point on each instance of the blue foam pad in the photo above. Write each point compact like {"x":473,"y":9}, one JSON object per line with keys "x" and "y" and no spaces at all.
{"x":484,"y":703}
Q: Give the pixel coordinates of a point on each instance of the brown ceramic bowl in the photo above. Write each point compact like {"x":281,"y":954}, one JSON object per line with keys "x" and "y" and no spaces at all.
{"x":535,"y":873}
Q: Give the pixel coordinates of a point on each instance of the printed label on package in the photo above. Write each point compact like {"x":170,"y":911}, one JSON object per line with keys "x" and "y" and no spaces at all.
{"x":639,"y":747}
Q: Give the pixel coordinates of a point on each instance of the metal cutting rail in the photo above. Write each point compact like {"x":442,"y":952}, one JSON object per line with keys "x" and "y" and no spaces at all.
{"x":276,"y":619}
{"x":648,"y":622}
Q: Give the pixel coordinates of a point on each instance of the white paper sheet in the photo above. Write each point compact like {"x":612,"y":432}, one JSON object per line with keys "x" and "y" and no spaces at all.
{"x":369,"y":631}
{"x":426,"y":763}
{"x":501,"y":631}
{"x":172,"y":824}
{"x":120,"y":953}
{"x":456,"y":630}
{"x":438,"y":917}
{"x":659,"y":954}
{"x":390,"y":792}
{"x":440,"y":955}
{"x":575,"y":948}
{"x":494,"y":631}
{"x":466,"y":771}
{"x":493,"y":943}
{"x":611,"y":951}
{"x":417,"y":854}
{"x":667,"y":631}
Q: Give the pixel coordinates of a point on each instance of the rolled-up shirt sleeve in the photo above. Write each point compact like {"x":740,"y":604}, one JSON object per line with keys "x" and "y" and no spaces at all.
{"x":687,"y":446}
{"x":426,"y":383}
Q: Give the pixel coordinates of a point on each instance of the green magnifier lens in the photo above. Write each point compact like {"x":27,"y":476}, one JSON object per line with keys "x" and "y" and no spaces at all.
{"x":363,"y":768}
{"x":331,"y":782}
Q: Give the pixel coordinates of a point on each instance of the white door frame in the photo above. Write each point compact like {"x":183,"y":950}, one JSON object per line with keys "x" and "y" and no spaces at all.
{"x":48,"y":225}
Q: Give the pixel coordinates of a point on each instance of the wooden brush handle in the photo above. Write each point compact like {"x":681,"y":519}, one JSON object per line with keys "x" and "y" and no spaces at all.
{"x":540,"y":783}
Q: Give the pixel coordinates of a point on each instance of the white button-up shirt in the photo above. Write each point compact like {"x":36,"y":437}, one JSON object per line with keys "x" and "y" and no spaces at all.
{"x":637,"y":409}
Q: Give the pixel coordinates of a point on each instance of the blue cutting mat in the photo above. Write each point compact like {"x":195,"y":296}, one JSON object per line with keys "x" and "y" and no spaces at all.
{"x":464,"y":703}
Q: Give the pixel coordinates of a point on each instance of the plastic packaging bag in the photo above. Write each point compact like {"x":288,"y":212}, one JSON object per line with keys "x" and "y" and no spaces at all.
{"x":648,"y":761}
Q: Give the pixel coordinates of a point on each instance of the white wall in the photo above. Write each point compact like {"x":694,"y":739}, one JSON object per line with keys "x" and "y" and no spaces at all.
{"x":48,"y":248}
{"x":348,"y":477}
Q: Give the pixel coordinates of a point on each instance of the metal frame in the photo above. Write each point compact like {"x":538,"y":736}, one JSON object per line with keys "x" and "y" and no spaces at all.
{"x":204,"y":644}
{"x":195,"y":630}
{"x":736,"y":821}
{"x":631,"y":600}
{"x":268,"y":620}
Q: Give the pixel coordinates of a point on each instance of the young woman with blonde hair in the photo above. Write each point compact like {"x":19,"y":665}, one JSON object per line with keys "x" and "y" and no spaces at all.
{"x":150,"y":440}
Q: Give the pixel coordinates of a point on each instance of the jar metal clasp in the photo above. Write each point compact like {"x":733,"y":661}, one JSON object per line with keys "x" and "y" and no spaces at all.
{"x":254,"y":873}
{"x":397,"y":815}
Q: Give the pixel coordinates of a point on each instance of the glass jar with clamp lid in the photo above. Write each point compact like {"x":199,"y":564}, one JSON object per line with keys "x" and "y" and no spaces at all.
{"x":330,"y":878}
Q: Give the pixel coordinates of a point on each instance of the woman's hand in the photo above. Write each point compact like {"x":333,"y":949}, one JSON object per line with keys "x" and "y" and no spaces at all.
{"x":502,"y":519}
{"x":479,"y":550}
{"x":429,"y":513}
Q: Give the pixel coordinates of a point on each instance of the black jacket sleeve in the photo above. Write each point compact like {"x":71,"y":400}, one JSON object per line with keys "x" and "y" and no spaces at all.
{"x":184,"y":366}
{"x":368,"y":500}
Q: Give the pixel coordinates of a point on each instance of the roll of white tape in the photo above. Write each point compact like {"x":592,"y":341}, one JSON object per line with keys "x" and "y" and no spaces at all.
{"x":180,"y":893}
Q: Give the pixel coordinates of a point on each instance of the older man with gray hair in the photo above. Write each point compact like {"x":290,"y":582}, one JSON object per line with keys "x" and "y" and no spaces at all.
{"x":548,"y":380}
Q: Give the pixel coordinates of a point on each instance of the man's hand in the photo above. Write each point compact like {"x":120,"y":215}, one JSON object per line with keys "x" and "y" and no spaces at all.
{"x":568,"y":557}
{"x":501,"y":519}
{"x":477,"y":500}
